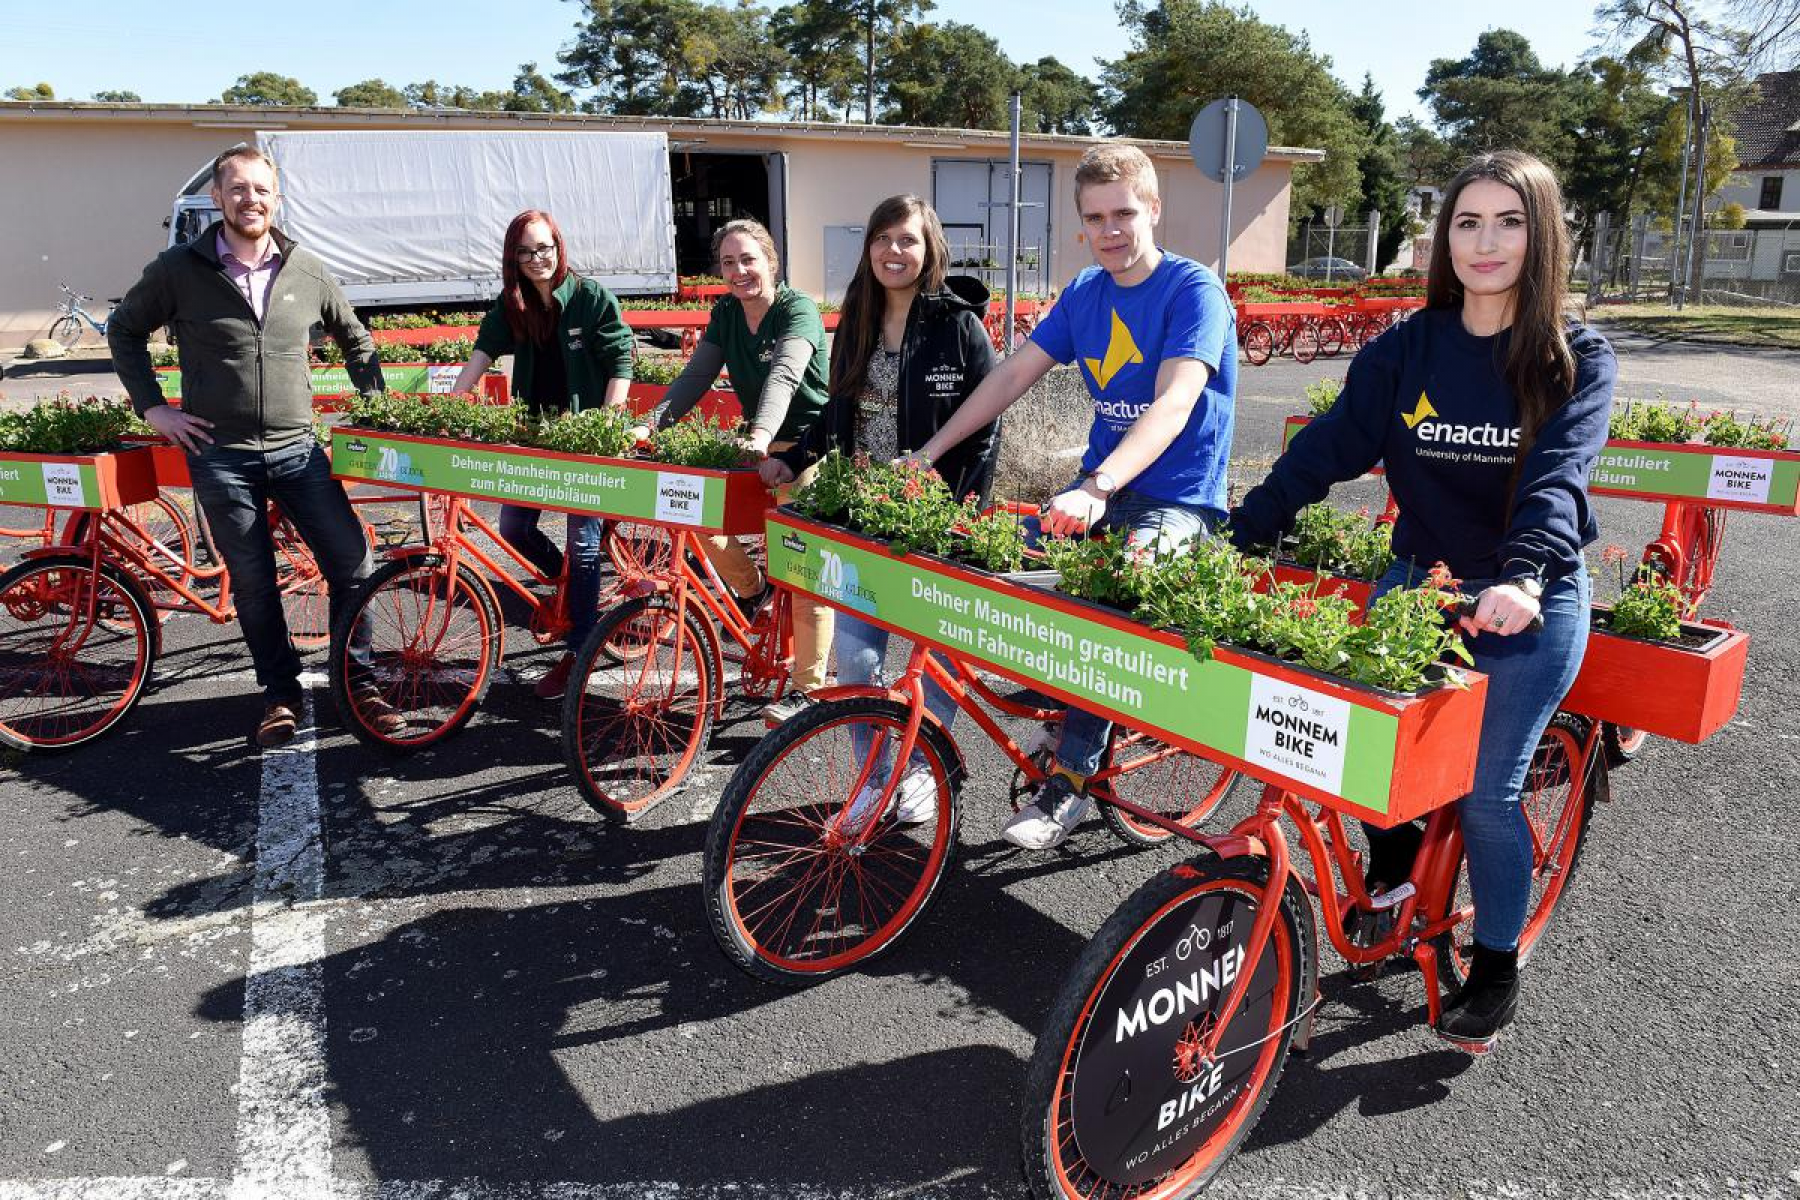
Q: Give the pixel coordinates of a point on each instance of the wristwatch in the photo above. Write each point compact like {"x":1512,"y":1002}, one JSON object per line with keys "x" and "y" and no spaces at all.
{"x":1104,"y":484}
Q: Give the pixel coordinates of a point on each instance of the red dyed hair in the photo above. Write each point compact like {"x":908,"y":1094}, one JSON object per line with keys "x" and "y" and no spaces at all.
{"x":529,"y":318}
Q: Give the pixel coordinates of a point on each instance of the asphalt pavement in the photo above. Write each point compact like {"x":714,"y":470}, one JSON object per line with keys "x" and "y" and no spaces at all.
{"x":325,"y":972}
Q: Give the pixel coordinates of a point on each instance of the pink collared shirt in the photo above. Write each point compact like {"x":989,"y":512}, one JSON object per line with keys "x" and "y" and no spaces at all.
{"x":253,"y":281}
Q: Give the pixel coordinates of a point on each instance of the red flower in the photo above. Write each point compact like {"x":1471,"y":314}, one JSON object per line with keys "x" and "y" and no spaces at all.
{"x":913,"y":488}
{"x":1439,"y":577}
{"x":1614,"y":554}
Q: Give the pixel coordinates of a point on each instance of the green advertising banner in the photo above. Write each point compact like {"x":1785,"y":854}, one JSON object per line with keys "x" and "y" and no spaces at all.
{"x":56,"y":484}
{"x":593,"y":487}
{"x":425,"y":379}
{"x":1630,"y":469}
{"x":1278,"y":726}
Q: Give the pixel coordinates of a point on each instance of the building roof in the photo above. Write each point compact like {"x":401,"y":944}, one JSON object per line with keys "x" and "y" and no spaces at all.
{"x":1768,"y":130}
{"x":679,"y":129}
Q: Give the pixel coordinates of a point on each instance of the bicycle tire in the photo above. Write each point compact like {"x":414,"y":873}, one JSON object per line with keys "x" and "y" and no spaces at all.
{"x":1164,"y":780}
{"x":1109,"y":1077}
{"x":1259,"y":343}
{"x":1332,"y":337}
{"x":1558,"y":802}
{"x":44,"y":632}
{"x":633,"y":721}
{"x":762,"y":869}
{"x":1621,"y":743}
{"x":1304,"y":345}
{"x":435,"y":639}
{"x":66,"y":332}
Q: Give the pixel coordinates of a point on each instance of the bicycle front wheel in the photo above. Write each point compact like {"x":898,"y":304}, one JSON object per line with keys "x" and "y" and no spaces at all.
{"x":1259,"y":343}
{"x":1169,"y":782}
{"x":76,"y":649}
{"x":640,"y":704}
{"x":433,"y":639}
{"x":1119,"y":1098}
{"x":801,"y":882}
{"x":66,"y":332}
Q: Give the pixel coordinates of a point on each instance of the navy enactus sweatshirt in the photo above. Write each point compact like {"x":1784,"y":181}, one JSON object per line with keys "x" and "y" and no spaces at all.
{"x":1427,"y":399}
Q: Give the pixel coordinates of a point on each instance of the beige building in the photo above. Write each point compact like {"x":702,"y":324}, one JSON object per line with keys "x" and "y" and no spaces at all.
{"x":90,"y":188}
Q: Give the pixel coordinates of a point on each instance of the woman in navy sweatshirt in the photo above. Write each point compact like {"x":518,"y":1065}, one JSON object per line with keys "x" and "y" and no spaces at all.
{"x":1488,"y":410}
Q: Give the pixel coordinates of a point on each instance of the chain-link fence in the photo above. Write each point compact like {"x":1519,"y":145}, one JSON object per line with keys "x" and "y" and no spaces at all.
{"x":1730,"y":266}
{"x":1316,"y":250}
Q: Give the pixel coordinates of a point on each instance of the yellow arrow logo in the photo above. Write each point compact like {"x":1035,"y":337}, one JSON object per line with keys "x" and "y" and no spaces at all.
{"x":1121,"y":352}
{"x":1419,"y":412}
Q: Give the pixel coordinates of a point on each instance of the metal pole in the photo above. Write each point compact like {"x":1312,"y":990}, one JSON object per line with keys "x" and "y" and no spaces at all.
{"x":1697,"y":233}
{"x":1231,"y":119}
{"x":1687,"y":160}
{"x":1640,"y":232}
{"x":1330,"y":248}
{"x":1374,"y":237}
{"x":1012,"y":230}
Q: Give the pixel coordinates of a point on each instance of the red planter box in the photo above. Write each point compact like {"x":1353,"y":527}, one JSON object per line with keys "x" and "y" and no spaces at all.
{"x":1662,"y":688}
{"x":85,"y":481}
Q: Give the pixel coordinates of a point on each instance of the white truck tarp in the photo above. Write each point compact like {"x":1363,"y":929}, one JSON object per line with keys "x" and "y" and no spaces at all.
{"x":392,"y":210}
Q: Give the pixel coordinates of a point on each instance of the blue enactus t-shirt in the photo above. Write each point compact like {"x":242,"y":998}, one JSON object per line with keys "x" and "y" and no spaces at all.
{"x":1121,"y":336}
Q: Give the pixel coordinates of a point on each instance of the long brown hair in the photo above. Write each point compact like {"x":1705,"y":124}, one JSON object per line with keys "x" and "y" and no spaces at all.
{"x":529,"y":318}
{"x":1539,"y":367}
{"x":865,"y":302}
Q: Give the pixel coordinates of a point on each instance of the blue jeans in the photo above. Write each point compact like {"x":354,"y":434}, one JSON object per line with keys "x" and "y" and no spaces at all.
{"x":233,"y":489}
{"x":1168,"y":528}
{"x":1528,"y":675}
{"x":519,"y":526}
{"x":861,"y":654}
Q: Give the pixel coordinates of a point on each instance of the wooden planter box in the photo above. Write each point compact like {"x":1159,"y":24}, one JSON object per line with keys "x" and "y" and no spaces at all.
{"x":1719,"y":477}
{"x":90,"y":481}
{"x":1386,"y":758}
{"x":721,"y":406}
{"x":333,"y":382}
{"x":425,"y":335}
{"x":1687,"y":693}
{"x":703,"y":501}
{"x":1358,"y":590}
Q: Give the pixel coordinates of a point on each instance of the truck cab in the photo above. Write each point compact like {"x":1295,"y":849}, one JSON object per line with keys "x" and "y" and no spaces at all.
{"x":194,"y":209}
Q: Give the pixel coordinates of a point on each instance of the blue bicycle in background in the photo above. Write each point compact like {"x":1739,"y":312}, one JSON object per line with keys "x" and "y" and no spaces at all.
{"x":66,"y":328}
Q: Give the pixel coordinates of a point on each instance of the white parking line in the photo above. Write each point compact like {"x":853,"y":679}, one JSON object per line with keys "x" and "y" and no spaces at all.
{"x":284,"y":1127}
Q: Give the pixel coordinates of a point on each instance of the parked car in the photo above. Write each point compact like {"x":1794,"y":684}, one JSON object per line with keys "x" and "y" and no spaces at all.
{"x":1332,"y":268}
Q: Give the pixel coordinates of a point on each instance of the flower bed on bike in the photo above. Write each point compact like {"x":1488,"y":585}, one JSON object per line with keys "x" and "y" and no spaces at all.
{"x":461,"y":448}
{"x":67,"y":453}
{"x":1685,"y":688}
{"x":1382,"y":755}
{"x":1740,"y":477}
{"x":333,"y":382}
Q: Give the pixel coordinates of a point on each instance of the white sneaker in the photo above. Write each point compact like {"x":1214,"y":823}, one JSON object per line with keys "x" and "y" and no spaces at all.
{"x":1044,"y":823}
{"x":916,"y":797}
{"x":914,"y":802}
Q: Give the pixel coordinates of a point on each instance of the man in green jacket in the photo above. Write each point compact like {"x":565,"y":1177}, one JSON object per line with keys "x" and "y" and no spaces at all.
{"x":242,"y":300}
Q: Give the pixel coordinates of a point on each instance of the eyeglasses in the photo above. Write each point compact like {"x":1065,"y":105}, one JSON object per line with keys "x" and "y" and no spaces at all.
{"x":540,"y":253}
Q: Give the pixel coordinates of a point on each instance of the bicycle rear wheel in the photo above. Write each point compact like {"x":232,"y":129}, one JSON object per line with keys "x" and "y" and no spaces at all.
{"x":1305,"y":344}
{"x":800,"y":887}
{"x":1558,"y":801}
{"x":161,"y":531}
{"x":1118,"y":1100}
{"x":433,"y":642}
{"x":1172,"y":783}
{"x":76,"y":648}
{"x":640,"y":703}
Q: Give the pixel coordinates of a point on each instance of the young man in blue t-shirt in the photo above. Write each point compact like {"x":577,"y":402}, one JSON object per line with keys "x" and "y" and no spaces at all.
{"x":1155,"y":338}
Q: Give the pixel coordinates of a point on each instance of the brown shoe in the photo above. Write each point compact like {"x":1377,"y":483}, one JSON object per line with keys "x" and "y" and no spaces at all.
{"x":373,"y":710}
{"x":279,"y":724}
{"x":556,"y":680}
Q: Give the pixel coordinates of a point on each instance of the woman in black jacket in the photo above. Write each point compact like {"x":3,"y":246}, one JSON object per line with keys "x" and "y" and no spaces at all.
{"x":909,"y":349}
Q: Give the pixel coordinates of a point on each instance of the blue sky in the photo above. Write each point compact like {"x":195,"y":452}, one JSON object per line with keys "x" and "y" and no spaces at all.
{"x":327,"y":44}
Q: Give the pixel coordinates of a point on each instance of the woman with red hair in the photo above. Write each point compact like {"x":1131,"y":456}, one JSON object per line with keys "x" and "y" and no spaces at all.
{"x":571,"y":350}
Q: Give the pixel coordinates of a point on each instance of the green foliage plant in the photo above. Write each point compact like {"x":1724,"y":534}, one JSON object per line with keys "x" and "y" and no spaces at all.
{"x":1321,"y":396}
{"x":604,"y":432}
{"x":65,"y":425}
{"x":993,"y":541}
{"x":1655,"y":421}
{"x":707,"y":443}
{"x":1649,"y":603}
{"x":1723,"y":428}
{"x":449,"y":350}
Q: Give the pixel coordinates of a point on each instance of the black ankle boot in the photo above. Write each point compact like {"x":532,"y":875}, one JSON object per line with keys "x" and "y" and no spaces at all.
{"x":1487,"y":1001}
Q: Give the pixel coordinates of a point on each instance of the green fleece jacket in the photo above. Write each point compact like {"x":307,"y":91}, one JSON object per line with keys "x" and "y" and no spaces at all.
{"x":251,"y":379}
{"x":591,"y":334}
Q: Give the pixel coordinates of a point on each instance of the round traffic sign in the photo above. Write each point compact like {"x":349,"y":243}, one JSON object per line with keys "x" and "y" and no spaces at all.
{"x":1206,"y":139}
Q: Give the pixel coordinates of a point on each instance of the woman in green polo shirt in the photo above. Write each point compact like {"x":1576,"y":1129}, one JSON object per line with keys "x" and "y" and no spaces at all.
{"x":571,"y":350}
{"x":773,"y":342}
